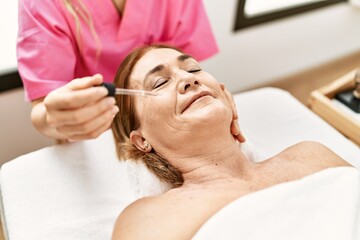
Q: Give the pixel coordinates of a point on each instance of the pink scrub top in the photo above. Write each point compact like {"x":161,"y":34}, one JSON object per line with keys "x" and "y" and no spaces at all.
{"x":48,"y":51}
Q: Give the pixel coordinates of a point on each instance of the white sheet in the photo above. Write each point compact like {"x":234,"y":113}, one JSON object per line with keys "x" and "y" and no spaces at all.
{"x":67,"y":192}
{"x":325,"y":205}
{"x":77,"y":191}
{"x":274,"y":120}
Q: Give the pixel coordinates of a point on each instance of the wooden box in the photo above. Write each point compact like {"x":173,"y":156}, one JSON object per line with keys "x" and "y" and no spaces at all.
{"x":321,"y":103}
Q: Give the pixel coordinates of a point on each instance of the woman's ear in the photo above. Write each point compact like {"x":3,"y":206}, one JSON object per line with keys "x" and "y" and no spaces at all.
{"x":140,"y":143}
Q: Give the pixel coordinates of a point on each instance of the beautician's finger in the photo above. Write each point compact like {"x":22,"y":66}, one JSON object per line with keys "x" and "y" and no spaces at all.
{"x":63,"y":100}
{"x":64,"y":96}
{"x":81,"y":115}
{"x":89,"y":127}
{"x":234,"y":127}
{"x":94,"y":134}
{"x":85,"y":82}
{"x":231,"y":101}
{"x":97,"y":132}
{"x":239,"y":136}
{"x":236,"y":132}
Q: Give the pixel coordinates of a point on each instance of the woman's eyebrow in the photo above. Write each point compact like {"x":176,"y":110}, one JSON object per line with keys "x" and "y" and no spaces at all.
{"x":154,"y":70}
{"x":183,"y":57}
{"x":160,"y":67}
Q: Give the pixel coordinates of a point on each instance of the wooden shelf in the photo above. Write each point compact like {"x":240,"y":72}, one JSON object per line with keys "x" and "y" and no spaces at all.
{"x":321,"y":103}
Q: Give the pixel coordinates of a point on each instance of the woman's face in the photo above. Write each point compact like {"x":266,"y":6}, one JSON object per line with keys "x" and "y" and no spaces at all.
{"x":191,"y":105}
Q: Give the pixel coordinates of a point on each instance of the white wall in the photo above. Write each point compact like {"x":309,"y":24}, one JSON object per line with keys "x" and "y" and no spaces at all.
{"x":269,"y":51}
{"x":248,"y":57}
{"x":8,"y":32}
{"x":17,"y":135}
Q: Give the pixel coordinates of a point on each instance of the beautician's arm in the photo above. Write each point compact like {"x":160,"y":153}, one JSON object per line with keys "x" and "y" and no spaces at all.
{"x":76,"y":111}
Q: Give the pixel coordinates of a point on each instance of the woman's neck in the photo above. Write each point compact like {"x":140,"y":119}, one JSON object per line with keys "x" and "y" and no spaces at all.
{"x":223,"y":162}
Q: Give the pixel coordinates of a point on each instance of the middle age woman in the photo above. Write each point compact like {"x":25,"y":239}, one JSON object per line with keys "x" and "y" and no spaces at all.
{"x":187,"y":136}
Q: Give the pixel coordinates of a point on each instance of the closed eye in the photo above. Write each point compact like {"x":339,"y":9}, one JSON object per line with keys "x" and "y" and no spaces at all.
{"x":160,"y":83}
{"x":194,"y":71}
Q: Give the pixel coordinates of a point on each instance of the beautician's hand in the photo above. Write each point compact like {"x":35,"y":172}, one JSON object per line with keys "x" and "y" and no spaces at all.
{"x":76,"y":111}
{"x":234,"y":127}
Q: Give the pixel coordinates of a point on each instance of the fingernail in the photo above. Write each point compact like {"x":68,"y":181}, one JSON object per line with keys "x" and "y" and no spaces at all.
{"x":237,"y":126}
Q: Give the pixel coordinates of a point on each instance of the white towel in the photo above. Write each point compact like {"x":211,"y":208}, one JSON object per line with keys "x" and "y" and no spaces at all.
{"x":325,"y":205}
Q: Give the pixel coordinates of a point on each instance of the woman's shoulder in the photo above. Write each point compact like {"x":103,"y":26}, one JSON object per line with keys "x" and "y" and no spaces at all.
{"x":144,"y":214}
{"x":47,"y":14}
{"x":312,"y":153}
{"x":128,"y":222}
{"x":298,"y":161}
{"x":176,"y":214}
{"x":41,"y":6}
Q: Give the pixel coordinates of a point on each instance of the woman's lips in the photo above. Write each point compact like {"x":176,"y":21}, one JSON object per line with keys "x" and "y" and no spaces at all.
{"x":195,"y":98}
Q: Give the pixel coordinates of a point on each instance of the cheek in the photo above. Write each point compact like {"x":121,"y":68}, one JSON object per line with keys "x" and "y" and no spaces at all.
{"x":154,"y":114}
{"x":158,"y":125}
{"x":210,"y":80}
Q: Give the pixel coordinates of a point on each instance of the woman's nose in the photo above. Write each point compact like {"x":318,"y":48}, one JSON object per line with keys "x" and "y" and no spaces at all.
{"x":187,"y":82}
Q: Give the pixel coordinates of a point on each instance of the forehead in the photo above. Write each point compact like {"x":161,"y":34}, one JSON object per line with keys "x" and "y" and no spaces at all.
{"x":154,"y":57}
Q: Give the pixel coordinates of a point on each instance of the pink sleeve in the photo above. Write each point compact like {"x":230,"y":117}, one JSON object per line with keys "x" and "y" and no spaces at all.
{"x":190,"y":30}
{"x":45,"y":49}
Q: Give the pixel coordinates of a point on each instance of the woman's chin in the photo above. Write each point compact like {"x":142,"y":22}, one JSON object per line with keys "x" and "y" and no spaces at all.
{"x":209,"y":113}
